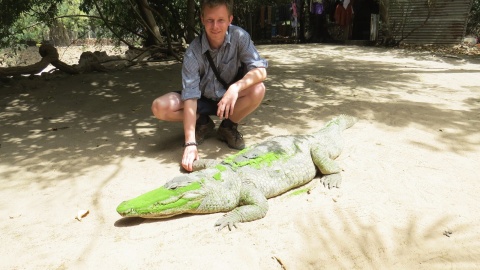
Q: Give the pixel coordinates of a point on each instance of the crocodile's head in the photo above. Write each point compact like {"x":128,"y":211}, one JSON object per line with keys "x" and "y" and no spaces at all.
{"x":164,"y":202}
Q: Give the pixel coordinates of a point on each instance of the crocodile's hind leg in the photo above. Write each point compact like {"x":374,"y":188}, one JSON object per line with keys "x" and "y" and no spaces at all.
{"x":253,"y":206}
{"x":327,"y":166}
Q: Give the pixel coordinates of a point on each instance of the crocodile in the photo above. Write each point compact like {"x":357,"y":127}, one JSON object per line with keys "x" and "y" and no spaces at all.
{"x":241,"y":183}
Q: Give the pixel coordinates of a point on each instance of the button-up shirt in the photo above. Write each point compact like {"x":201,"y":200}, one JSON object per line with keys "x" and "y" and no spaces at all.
{"x":198,"y":78}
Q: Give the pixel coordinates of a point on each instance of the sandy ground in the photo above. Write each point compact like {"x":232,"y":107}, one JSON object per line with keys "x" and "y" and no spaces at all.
{"x":411,"y":184}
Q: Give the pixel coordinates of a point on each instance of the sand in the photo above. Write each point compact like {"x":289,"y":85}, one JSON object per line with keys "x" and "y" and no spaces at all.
{"x":411,"y":184}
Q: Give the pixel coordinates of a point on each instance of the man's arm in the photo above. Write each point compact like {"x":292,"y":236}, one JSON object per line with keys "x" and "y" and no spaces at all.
{"x":227,"y":103}
{"x":190,"y":153}
{"x":252,"y":77}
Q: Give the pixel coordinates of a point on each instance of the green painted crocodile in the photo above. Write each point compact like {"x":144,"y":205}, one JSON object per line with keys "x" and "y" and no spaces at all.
{"x":241,"y":184}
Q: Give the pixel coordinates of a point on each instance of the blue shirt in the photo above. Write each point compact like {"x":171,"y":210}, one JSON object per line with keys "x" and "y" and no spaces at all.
{"x":198,"y":78}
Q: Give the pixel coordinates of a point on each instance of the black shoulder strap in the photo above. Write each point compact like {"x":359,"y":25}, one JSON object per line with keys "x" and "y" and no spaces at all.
{"x":215,"y":71}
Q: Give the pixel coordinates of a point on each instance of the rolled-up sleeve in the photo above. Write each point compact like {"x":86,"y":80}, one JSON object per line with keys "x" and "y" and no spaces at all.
{"x":248,"y":53}
{"x":190,"y":77}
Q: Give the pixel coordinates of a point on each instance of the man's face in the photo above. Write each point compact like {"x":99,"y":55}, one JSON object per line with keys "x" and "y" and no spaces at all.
{"x":216,"y":21}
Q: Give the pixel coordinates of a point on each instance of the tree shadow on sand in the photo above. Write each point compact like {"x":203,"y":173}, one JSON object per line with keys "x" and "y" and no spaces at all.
{"x":348,"y":242}
{"x":100,"y":117}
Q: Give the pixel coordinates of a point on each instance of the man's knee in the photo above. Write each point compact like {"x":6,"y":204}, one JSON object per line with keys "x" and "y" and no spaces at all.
{"x":257,"y":91}
{"x":261,"y":90}
{"x":161,"y":107}
{"x":158,"y":108}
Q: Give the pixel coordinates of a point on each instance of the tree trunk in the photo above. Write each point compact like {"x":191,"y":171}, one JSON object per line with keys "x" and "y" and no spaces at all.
{"x":154,"y":36}
{"x":301,"y":20}
{"x":384,"y":5}
{"x":59,"y":34}
{"x":190,"y":21}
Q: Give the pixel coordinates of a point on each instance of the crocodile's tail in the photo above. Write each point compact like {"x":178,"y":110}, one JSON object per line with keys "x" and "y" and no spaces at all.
{"x":343,"y":121}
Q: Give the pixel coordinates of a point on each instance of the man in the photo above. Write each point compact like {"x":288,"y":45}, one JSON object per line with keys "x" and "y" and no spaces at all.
{"x":203,"y":94}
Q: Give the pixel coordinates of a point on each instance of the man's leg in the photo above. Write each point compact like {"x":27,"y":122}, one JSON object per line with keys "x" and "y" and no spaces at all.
{"x":168,"y":107}
{"x":249,"y":99}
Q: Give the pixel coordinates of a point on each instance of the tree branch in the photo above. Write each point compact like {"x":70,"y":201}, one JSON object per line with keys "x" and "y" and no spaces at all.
{"x":169,"y":40}
{"x":108,"y":26}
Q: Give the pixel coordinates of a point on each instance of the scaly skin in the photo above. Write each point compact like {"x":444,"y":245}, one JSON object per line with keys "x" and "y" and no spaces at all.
{"x":242,"y":183}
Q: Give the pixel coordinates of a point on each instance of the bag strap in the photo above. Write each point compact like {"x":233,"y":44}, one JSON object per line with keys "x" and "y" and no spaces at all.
{"x":215,"y":71}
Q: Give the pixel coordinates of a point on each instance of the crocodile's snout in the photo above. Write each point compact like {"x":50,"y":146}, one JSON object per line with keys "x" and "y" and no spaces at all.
{"x":125,"y":210}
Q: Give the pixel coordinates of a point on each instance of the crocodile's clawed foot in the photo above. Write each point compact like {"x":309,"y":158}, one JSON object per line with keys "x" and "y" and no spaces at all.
{"x":331,"y":180}
{"x":224,"y":222}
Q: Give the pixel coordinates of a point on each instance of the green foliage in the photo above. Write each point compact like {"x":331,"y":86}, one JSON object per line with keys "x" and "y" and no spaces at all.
{"x":121,"y":20}
{"x":125,"y":20}
{"x":24,"y":20}
{"x":115,"y":19}
{"x":74,"y":21}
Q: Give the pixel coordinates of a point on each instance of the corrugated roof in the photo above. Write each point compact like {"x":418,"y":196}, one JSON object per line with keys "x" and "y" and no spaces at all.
{"x":445,"y":25}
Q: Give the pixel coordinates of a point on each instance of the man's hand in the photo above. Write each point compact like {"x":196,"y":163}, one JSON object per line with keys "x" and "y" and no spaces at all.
{"x":190,"y":154}
{"x":227,"y":103}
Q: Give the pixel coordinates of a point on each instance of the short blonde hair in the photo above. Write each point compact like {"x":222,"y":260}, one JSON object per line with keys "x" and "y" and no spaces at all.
{"x":215,"y":3}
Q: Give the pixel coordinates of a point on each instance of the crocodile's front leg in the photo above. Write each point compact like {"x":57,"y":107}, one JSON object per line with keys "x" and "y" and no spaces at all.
{"x":331,"y":180}
{"x":254,"y":206}
{"x":323,"y":161}
{"x":327,"y":166}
